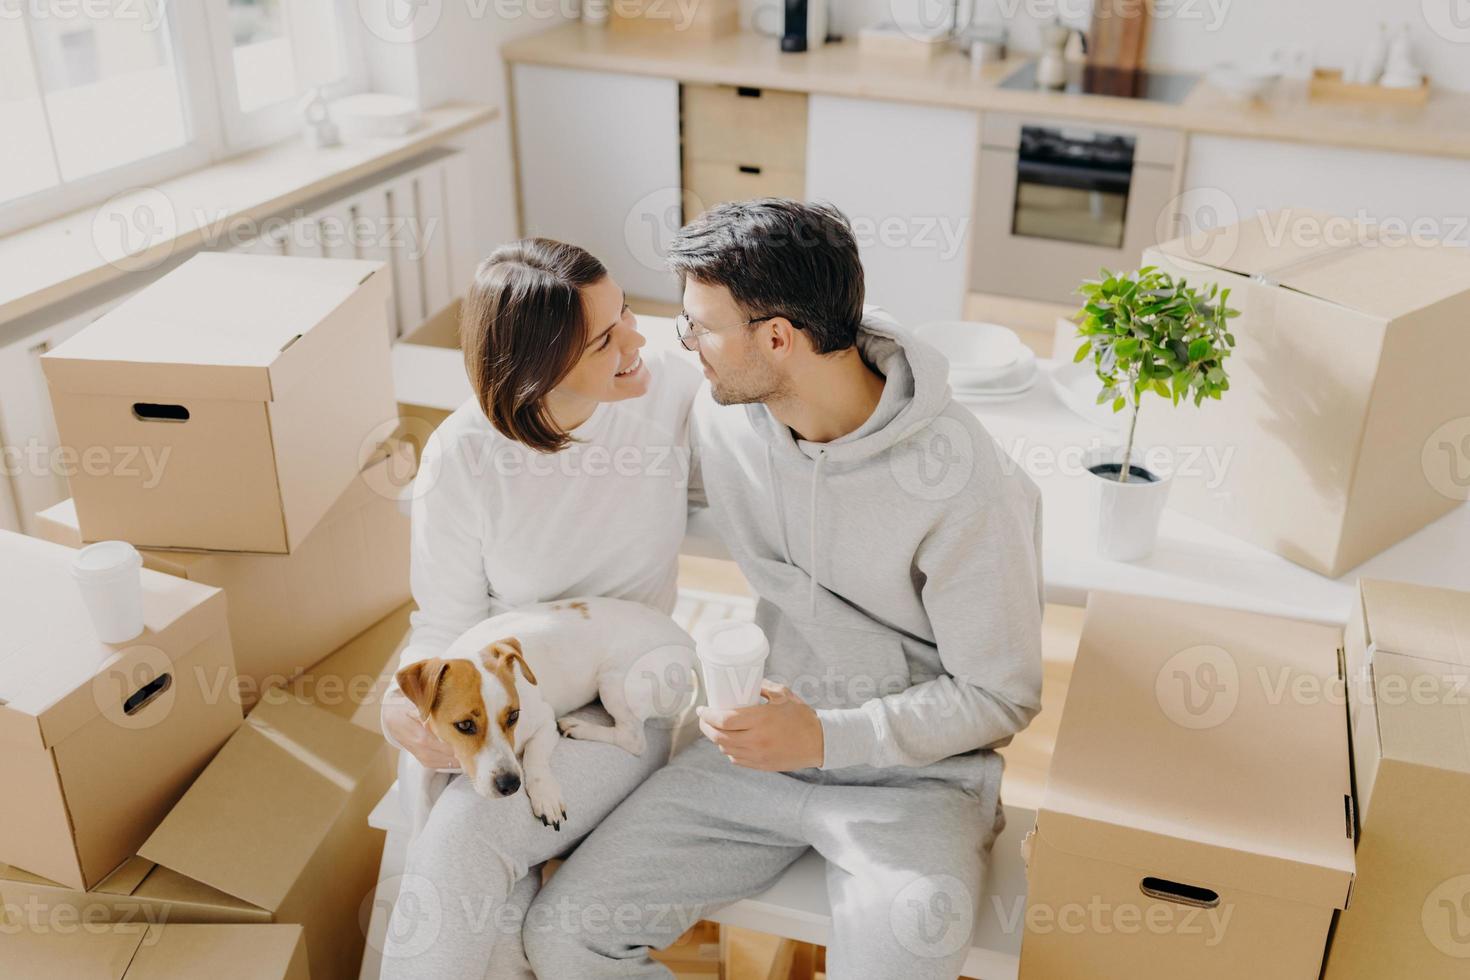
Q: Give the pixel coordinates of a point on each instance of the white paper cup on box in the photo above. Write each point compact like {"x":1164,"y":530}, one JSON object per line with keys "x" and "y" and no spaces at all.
{"x":109,"y":575}
{"x":732,"y":659}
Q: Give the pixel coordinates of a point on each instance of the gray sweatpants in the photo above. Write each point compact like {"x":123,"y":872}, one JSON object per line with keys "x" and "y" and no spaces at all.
{"x":904,"y":864}
{"x":473,"y":871}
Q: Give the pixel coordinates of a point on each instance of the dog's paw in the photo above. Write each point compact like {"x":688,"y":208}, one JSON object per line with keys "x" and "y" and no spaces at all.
{"x":571,"y":726}
{"x":546,"y":801}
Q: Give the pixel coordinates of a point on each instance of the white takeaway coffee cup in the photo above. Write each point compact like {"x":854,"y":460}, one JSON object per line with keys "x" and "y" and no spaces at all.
{"x":109,"y":576}
{"x":732,"y":659}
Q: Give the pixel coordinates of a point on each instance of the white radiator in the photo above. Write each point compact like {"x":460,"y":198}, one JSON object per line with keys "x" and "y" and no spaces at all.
{"x":414,"y":216}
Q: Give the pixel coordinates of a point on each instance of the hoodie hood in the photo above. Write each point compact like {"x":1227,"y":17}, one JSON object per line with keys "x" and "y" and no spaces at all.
{"x":915,"y":390}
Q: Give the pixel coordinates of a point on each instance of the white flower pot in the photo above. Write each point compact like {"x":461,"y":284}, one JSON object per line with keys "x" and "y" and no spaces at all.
{"x":1127,"y":513}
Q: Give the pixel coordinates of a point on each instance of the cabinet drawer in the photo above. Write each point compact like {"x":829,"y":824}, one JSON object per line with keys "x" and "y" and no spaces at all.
{"x":752,"y":126}
{"x":717,"y":183}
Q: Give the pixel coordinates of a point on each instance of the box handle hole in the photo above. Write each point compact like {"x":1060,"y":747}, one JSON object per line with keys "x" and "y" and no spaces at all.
{"x":750,"y":170}
{"x":147,"y":694}
{"x":748,"y":92}
{"x":150,"y":412}
{"x":1172,"y":891}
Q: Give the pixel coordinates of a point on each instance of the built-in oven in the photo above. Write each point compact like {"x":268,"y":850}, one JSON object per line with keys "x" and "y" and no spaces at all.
{"x":1058,"y":200}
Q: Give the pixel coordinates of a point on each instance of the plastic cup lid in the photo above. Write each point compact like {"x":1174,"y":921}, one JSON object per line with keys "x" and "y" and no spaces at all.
{"x":733,"y":642}
{"x":106,"y":558}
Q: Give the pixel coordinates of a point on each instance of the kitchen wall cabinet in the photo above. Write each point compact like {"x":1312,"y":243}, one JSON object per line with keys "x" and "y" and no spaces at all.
{"x":599,"y":166}
{"x":905,"y":176}
{"x":1227,"y":179}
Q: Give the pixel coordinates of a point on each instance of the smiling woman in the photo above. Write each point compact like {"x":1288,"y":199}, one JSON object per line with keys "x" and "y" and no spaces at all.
{"x":547,"y":337}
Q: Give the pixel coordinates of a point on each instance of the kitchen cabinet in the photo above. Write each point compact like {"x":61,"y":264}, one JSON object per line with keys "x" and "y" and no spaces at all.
{"x":742,"y":143}
{"x":905,"y":176}
{"x":1227,"y":179}
{"x":598,"y":161}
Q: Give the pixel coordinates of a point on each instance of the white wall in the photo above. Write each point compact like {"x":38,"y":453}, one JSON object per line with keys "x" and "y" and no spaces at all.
{"x":1194,"y":34}
{"x":455,"y":56}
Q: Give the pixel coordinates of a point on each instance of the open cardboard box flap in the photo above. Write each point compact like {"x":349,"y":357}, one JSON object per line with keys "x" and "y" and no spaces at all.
{"x":1204,"y":808}
{"x":1318,"y":254}
{"x":50,"y":661}
{"x":157,"y":952}
{"x":254,"y":817}
{"x":259,"y":342}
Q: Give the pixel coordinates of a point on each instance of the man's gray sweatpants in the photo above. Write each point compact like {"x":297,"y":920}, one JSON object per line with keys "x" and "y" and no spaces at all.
{"x":472,"y":872}
{"x":904,"y":860}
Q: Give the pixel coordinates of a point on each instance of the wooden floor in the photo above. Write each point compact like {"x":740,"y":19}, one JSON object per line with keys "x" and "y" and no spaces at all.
{"x":750,"y":955}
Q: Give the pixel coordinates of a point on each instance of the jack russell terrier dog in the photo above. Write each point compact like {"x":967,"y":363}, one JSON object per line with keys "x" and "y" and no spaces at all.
{"x":502,"y":691}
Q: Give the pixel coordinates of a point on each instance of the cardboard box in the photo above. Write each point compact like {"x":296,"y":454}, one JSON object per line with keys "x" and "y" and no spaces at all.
{"x":226,"y":406}
{"x":351,"y":682}
{"x":285,"y":611}
{"x":669,"y":19}
{"x":157,"y":952}
{"x":348,"y":684}
{"x":429,"y":377}
{"x":1408,"y":654}
{"x":279,"y":820}
{"x":1349,"y":359}
{"x":1197,"y":815}
{"x":97,"y":741}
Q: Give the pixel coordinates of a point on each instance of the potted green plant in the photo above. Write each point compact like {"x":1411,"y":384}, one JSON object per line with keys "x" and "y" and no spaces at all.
{"x":1147,"y":332}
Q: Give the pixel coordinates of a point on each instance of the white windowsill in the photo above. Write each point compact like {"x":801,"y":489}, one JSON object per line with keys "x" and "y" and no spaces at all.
{"x":57,"y":259}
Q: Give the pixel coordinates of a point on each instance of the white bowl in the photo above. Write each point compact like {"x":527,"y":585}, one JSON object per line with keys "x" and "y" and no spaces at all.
{"x":977,"y":352}
{"x":1244,"y":81}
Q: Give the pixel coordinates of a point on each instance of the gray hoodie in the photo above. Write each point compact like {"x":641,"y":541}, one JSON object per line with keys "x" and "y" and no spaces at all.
{"x":898,"y":569}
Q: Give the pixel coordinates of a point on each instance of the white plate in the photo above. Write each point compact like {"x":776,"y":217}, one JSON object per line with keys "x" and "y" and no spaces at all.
{"x":1076,"y":386}
{"x":1019,"y":377}
{"x":992,"y":397}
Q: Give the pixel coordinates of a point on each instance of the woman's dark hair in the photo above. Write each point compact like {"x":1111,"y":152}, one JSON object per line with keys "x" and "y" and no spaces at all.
{"x":780,"y":258}
{"x":522,"y":329}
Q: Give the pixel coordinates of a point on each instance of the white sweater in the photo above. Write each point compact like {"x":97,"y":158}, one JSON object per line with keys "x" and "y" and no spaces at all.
{"x":497,"y":525}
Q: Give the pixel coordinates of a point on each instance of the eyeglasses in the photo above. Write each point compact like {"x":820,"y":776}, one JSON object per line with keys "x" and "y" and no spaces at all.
{"x":689,"y":335}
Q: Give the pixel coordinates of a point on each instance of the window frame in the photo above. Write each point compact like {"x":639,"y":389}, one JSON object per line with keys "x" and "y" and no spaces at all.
{"x":199,"y":45}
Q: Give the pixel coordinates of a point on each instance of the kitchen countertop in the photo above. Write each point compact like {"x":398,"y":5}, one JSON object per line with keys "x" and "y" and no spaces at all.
{"x":1441,"y":127}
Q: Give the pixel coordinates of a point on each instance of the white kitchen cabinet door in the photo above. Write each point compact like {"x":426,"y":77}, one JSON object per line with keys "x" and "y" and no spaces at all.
{"x":1228,"y":179}
{"x":598,"y":157}
{"x":33,"y":470}
{"x":905,"y":176}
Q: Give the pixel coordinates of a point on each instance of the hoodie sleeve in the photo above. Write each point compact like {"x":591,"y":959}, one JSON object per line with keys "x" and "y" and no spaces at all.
{"x":982,"y":590}
{"x":446,"y":563}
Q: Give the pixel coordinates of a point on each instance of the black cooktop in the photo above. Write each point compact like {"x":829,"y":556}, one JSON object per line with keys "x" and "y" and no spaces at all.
{"x":1118,"y":83}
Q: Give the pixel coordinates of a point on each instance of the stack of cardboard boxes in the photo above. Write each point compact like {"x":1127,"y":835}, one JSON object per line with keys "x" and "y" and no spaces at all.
{"x":1234,"y":794}
{"x":234,"y":422}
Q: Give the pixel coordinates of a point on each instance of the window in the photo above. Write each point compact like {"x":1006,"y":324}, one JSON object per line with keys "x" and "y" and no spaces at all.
{"x":106,"y":95}
{"x":86,"y":88}
{"x":275,"y":51}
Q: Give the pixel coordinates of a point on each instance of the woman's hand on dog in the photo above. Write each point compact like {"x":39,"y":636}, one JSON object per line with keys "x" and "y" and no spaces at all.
{"x":401,"y":720}
{"x":780,"y":735}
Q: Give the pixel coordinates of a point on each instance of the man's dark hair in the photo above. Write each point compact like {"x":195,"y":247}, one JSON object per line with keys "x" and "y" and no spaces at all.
{"x":779,"y":258}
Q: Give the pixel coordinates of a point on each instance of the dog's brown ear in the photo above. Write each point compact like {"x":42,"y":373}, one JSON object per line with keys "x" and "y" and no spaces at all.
{"x":420,"y":682}
{"x":507,"y":651}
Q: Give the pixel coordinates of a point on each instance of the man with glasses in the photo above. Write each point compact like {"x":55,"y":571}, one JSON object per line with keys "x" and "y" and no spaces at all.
{"x":897,"y":562}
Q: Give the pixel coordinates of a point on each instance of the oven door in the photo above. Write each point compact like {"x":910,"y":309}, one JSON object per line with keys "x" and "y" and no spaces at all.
{"x":1058,"y":200}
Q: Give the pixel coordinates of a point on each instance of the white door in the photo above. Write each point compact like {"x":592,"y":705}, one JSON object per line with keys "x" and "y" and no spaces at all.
{"x":599,"y":167}
{"x":905,"y":176}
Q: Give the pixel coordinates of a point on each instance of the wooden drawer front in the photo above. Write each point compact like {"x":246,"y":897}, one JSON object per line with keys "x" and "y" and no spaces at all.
{"x":751,"y":126}
{"x":717,"y":183}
